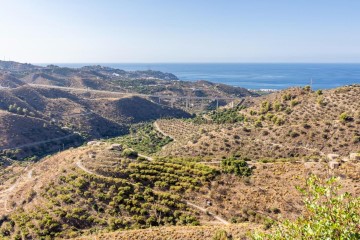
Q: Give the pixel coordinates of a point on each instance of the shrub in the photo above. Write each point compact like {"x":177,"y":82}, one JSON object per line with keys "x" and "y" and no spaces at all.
{"x":344,"y":117}
{"x":265,"y":133}
{"x":269,"y":116}
{"x":279,"y":121}
{"x":293,"y":103}
{"x":258,"y":124}
{"x":319,"y":92}
{"x":129,"y":153}
{"x":227,"y":115}
{"x":235,"y":166}
{"x":265,"y":107}
{"x":294,"y":134}
{"x":277,"y":106}
{"x":320,"y":100}
{"x":221,"y":235}
{"x":328,"y":214}
{"x":288,"y":110}
{"x":287,"y":97}
{"x":307,"y":88}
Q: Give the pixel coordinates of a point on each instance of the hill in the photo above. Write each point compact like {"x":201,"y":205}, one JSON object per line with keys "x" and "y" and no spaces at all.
{"x":31,"y":115}
{"x":140,"y":82}
{"x":16,"y":67}
{"x":8,"y":81}
{"x":292,"y":123}
{"x":152,"y":176}
{"x":102,"y":188}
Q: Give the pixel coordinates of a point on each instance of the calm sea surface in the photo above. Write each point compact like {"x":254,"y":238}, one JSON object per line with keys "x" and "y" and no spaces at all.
{"x":254,"y":76}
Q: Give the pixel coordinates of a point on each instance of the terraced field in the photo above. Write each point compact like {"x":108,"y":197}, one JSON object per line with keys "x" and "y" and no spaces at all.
{"x":293,"y":123}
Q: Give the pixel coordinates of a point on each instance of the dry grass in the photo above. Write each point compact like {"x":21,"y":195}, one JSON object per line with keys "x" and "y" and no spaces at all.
{"x":237,"y":231}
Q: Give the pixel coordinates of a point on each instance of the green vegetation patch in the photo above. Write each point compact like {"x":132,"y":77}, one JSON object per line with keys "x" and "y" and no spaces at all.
{"x":173,"y":174}
{"x":143,"y":138}
{"x":328,"y":214}
{"x":235,"y":166}
{"x":133,"y":194}
{"x":230,"y":115}
{"x":80,"y":203}
{"x":221,"y":116}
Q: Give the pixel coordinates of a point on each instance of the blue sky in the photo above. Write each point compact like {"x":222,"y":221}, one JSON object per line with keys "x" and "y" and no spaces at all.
{"x":94,"y":31}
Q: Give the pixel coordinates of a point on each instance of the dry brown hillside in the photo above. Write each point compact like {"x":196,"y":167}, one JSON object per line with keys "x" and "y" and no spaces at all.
{"x":8,"y":81}
{"x":290,"y":123}
{"x":37,"y":115}
{"x":97,"y":189}
{"x":28,"y":131}
{"x":206,"y":232}
{"x":75,"y":80}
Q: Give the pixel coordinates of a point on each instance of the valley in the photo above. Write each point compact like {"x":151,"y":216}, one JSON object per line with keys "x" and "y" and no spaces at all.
{"x":101,"y":153}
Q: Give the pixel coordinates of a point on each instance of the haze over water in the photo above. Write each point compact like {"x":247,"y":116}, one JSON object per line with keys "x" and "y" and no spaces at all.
{"x":254,"y":75}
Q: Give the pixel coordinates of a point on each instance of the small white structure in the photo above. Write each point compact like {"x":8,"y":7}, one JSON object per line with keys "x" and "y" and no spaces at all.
{"x":95,"y":143}
{"x":355,"y":156}
{"x":334,"y":164}
{"x":115,"y":147}
{"x":91,"y":143}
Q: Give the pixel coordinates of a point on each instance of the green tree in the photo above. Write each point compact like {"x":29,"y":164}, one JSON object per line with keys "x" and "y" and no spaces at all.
{"x":235,"y":166}
{"x":328,"y":214}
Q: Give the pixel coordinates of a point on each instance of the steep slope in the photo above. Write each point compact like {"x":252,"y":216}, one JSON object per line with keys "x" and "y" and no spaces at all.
{"x":29,"y":129}
{"x":25,"y":136}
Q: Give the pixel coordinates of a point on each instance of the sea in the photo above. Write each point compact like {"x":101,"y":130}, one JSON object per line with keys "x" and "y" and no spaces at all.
{"x":269,"y":76}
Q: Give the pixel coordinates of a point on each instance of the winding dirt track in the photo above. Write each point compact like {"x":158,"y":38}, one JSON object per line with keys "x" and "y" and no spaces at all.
{"x":163,"y":133}
{"x":5,"y":194}
{"x":38,"y":143}
{"x":220,"y":219}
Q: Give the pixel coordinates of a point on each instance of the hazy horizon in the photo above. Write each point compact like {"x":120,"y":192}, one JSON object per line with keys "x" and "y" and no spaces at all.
{"x":191,"y":62}
{"x":282,"y":31}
